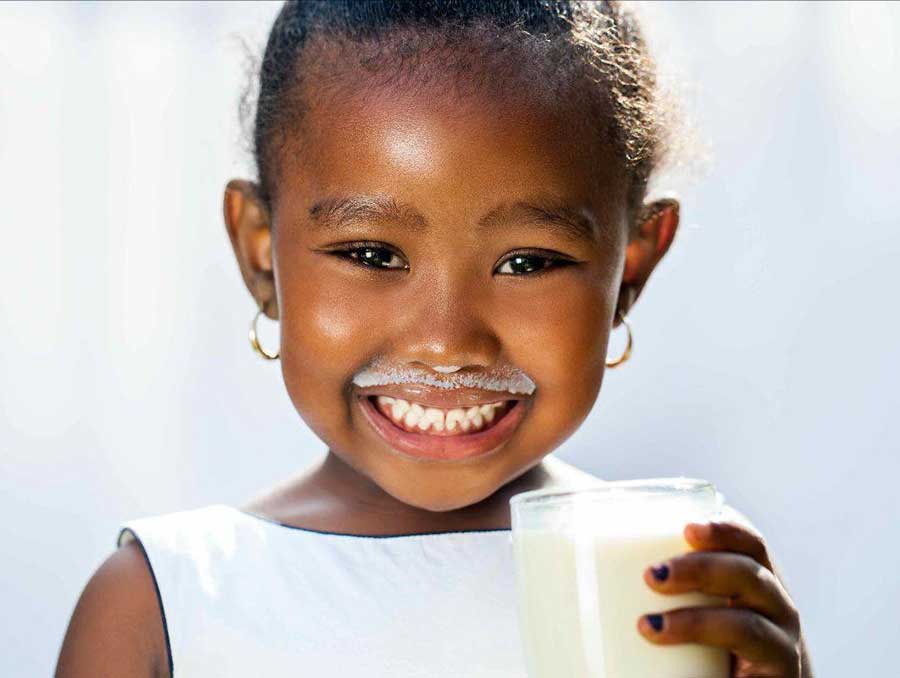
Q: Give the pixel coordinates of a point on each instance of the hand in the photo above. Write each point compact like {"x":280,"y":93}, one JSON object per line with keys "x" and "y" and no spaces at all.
{"x":760,"y":625}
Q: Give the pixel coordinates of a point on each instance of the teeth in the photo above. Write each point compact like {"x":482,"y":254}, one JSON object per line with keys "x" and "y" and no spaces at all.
{"x":453,"y":419}
{"x":399,"y":408}
{"x":433,"y":418}
{"x":473,"y":414}
{"x":414,"y":416}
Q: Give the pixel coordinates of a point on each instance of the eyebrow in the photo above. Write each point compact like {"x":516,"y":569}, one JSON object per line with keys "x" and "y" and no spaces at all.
{"x":542,"y":211}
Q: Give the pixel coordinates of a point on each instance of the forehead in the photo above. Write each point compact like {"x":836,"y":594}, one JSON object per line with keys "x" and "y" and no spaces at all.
{"x":446,"y":154}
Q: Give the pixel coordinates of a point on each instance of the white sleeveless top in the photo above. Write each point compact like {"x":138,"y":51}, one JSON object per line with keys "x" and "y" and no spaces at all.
{"x":243,"y":596}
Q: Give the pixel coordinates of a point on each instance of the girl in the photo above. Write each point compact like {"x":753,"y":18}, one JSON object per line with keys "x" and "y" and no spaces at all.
{"x":449,"y":220}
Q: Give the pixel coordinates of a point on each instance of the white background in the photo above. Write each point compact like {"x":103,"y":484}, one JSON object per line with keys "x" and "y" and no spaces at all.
{"x":765,"y":345}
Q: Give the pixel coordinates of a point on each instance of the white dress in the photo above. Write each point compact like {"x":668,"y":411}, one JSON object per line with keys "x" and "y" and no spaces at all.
{"x":244,"y":596}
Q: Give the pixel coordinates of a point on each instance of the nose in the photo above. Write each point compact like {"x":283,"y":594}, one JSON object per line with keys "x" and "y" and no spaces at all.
{"x":447,"y":324}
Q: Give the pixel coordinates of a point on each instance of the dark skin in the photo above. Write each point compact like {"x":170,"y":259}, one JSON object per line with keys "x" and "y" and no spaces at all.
{"x":446,"y":303}
{"x":449,"y":164}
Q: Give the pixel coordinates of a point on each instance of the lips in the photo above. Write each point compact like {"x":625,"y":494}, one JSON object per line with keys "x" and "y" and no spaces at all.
{"x":429,"y":446}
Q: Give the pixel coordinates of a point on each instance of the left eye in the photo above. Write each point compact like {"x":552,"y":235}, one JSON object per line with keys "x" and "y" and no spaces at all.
{"x":524,"y":264}
{"x":373,"y":257}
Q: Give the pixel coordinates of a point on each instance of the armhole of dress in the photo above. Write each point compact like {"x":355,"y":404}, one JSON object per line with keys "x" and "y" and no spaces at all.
{"x":126,"y":535}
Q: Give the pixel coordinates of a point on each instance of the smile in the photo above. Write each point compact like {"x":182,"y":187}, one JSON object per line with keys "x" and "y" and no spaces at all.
{"x":418,"y":430}
{"x":415,"y":417}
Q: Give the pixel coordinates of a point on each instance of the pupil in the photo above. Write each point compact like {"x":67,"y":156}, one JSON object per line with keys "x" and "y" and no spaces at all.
{"x":372,"y":255}
{"x":527,"y":262}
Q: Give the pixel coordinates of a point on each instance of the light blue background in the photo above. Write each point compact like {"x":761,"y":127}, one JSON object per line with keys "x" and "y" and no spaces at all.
{"x":765,"y":345}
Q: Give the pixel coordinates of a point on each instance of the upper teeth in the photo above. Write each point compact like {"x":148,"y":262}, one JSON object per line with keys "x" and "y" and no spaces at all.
{"x":414,"y":415}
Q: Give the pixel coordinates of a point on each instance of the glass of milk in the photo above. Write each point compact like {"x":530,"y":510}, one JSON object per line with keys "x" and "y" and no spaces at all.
{"x":580,"y":557}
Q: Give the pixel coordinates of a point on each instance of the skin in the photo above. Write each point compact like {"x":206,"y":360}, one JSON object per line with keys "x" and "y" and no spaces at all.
{"x":760,"y":625}
{"x":451,"y":161}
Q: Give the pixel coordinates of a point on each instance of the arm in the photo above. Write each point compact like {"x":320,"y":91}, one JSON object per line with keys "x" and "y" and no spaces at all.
{"x":116,"y":628}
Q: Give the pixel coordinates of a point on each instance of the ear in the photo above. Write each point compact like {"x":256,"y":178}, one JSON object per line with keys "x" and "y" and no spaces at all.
{"x":655,"y":230}
{"x":247,"y":221}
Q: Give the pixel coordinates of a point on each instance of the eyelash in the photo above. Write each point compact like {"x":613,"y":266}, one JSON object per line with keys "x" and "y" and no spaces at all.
{"x":344,"y":253}
{"x":554,"y":261}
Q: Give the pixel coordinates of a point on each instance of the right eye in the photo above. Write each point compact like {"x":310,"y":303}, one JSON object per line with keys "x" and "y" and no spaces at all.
{"x":371,"y":255}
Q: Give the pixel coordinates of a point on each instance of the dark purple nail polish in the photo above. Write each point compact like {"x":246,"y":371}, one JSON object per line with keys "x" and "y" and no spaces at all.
{"x":660,"y":572}
{"x":656,"y":621}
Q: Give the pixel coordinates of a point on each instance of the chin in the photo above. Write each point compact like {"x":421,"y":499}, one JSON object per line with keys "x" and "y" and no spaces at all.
{"x":439,"y":502}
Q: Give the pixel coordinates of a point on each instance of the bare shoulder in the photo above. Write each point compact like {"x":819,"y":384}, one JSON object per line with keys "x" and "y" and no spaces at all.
{"x":116,"y":628}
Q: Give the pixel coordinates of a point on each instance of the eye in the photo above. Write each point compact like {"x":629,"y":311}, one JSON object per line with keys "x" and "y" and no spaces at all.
{"x":372,"y":255}
{"x":530,"y":263}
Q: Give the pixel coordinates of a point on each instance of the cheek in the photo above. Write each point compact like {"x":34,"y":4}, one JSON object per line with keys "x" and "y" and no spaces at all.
{"x":560,"y":338}
{"x":564,"y":328}
{"x":325,"y":337}
{"x":567,"y":336}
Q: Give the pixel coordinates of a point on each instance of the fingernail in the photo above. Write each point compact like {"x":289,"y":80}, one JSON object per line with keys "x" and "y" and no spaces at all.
{"x":655,"y":621}
{"x":660,"y":572}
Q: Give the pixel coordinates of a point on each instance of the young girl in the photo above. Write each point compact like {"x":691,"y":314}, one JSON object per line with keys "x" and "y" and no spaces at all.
{"x":449,"y":221}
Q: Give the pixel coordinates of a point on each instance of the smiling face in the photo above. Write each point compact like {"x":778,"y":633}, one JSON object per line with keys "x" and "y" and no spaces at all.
{"x":428,"y":231}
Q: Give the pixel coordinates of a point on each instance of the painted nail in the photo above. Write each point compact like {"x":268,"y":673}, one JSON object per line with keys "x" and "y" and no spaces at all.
{"x":660,"y":572}
{"x":655,"y":621}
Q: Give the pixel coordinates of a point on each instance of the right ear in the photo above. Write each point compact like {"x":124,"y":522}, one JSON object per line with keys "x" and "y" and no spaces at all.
{"x":247,"y":221}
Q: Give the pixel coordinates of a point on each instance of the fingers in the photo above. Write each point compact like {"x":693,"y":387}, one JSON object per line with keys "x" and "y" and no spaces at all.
{"x":746,"y":633}
{"x":761,"y":624}
{"x":733,"y":575}
{"x":728,"y":536}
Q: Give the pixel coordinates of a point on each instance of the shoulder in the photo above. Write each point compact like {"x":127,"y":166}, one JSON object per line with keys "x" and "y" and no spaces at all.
{"x":565,"y":475}
{"x":116,"y":628}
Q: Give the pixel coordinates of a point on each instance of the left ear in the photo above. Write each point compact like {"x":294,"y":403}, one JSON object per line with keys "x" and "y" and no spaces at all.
{"x":656,"y":226}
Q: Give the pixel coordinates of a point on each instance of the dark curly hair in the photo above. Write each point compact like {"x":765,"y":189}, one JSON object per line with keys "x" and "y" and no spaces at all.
{"x":588,"y":54}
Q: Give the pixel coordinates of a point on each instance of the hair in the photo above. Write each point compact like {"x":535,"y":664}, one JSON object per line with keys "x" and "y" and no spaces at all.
{"x":583,"y":53}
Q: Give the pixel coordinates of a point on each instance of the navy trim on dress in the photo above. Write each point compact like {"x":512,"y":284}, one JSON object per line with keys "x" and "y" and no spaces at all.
{"x":366,"y":536}
{"x":162,"y":611}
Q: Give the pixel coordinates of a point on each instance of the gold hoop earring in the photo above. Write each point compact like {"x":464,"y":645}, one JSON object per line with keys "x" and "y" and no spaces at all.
{"x":254,"y":339}
{"x":627,"y":354}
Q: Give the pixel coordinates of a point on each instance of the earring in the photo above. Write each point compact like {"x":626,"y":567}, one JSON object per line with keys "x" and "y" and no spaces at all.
{"x":627,"y":354}
{"x":254,"y":340}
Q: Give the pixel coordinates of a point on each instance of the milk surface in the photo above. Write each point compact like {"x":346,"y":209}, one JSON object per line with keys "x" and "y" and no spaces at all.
{"x":580,"y":597}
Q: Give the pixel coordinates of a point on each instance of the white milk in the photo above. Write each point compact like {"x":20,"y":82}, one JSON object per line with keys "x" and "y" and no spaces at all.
{"x":597,"y":636}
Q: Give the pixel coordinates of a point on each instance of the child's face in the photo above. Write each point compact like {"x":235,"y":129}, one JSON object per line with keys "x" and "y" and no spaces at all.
{"x":443,"y":300}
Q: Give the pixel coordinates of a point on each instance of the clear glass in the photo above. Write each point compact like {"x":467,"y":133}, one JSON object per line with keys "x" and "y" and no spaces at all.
{"x":580,"y":557}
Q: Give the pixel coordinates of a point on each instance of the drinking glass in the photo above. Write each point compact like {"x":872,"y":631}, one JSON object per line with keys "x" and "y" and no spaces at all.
{"x":580,"y":555}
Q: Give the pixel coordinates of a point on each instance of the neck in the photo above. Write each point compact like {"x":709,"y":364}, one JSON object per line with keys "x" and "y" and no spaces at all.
{"x":352,"y":494}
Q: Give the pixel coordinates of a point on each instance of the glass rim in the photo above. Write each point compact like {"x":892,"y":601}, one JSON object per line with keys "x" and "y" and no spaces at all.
{"x":649,"y":486}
